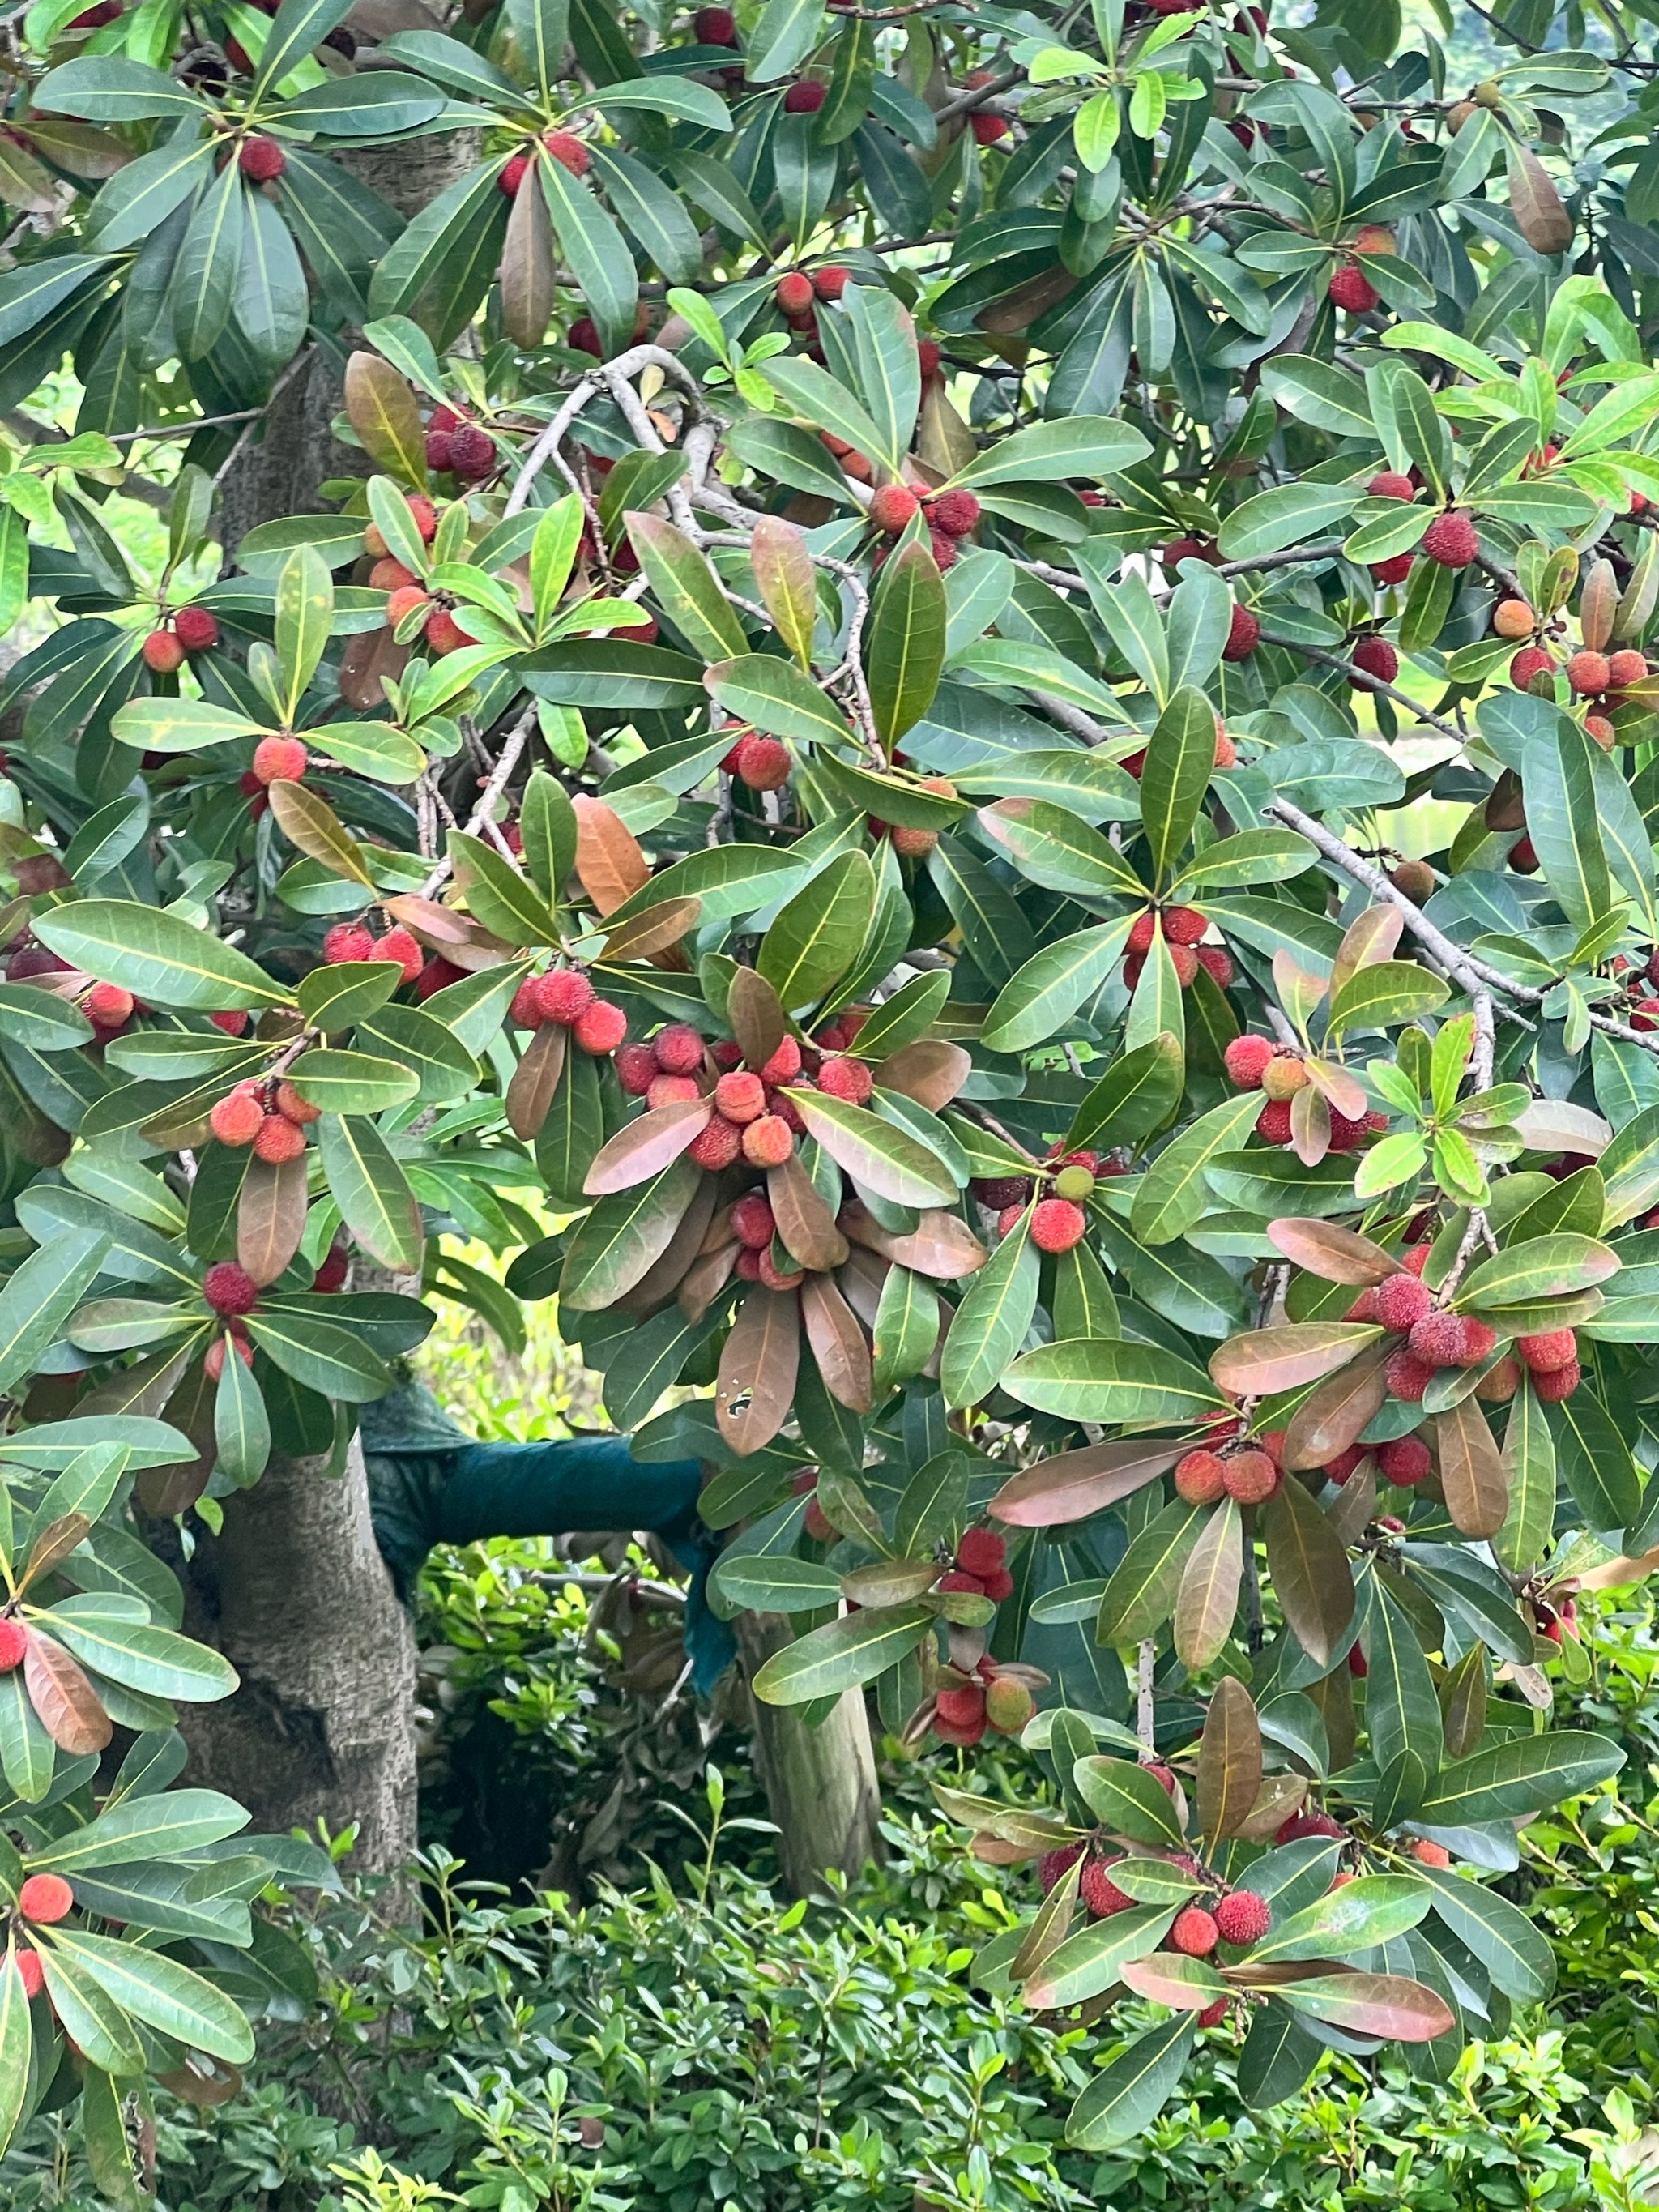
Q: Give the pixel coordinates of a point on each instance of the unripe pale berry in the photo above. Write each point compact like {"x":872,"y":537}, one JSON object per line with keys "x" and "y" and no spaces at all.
{"x":1513,"y":619}
{"x":1285,"y":1074}
{"x":768,"y":1142}
{"x":1075,"y":1183}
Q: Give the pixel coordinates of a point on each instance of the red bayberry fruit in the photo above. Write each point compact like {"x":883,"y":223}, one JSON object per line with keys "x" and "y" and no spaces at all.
{"x":716,"y":1147}
{"x":584,"y":337}
{"x":473,"y":454}
{"x":1532,"y":661}
{"x":1183,"y":925}
{"x":1250,"y":1476}
{"x":1588,"y":672}
{"x":805,"y":97}
{"x":569,"y":152}
{"x":752,"y":1222}
{"x":525,"y":1010}
{"x":564,"y":994}
{"x":46,"y":1897}
{"x":1200,"y":1477}
{"x":1448,"y":1340}
{"x":1217,"y":963}
{"x":1376,"y":657}
{"x":195,"y":629}
{"x":443,"y":633}
{"x":509,"y":181}
{"x":762,"y":763}
{"x":261,"y":160}
{"x":293,"y":1108}
{"x":163,"y":652}
{"x":14,"y":1644}
{"x":1351,"y":289}
{"x":108,"y":1006}
{"x":679,"y":1050}
{"x":986,"y":128}
{"x":794,"y":292}
{"x":954,"y":513}
{"x":831,"y":281}
{"x":1544,"y":1354}
{"x":236,"y":1120}
{"x":892,"y":507}
{"x":1624,"y":669}
{"x":850,"y":1079}
{"x":1307,"y":1824}
{"x":1557,"y":1383}
{"x":1409,"y":1376}
{"x":1390,"y":484}
{"x":1244,"y":1060}
{"x":740,"y":1096}
{"x":1195,"y":1932}
{"x":1272,"y":1123}
{"x":715,"y":26}
{"x":279,"y":759}
{"x":1100,"y":1894}
{"x":229,"y":1289}
{"x":982,"y":1551}
{"x":1243,"y":636}
{"x":1057,"y":1225}
{"x":1401,"y":1302}
{"x":1345,"y":1465}
{"x":278,"y":1139}
{"x":398,"y":945}
{"x":1452,"y":539}
{"x":1243,"y":1917}
{"x":1054,"y":1863}
{"x":331,"y":1276}
{"x":347,"y":940}
{"x":1404,"y":1462}
{"x":784,"y":1065}
{"x":636,"y":1064}
{"x":1394,"y":570}
{"x":600,"y":1028}
{"x":769,"y":1142}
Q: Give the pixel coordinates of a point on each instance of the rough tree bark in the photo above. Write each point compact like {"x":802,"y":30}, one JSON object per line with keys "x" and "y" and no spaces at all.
{"x":820,"y":1782}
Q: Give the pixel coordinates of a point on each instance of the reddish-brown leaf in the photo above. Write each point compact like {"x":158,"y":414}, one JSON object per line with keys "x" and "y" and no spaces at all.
{"x":1271,"y":1359}
{"x":1351,"y":1513}
{"x":1073,"y":1484}
{"x":442,"y":927}
{"x":1279,"y":1796}
{"x":643,"y":1148}
{"x":1334,"y":1416}
{"x":861,"y":1281}
{"x":1537,"y":206}
{"x":364,"y":661}
{"x":804,"y":1221}
{"x":536,"y":1078}
{"x":1598,"y":603}
{"x":838,"y":1344}
{"x":270,"y":1217}
{"x":527,"y":267}
{"x":756,"y":1381}
{"x":756,"y":1016}
{"x":706,"y":1278}
{"x":1344,"y":1094}
{"x":55,"y":1542}
{"x":1370,"y":937}
{"x":1472,"y":1474}
{"x":1166,"y":1978}
{"x":62,"y":1694}
{"x":1386,"y":2005}
{"x":1229,"y":1761}
{"x":941,"y":1244}
{"x":653,"y":930}
{"x":609,"y":860}
{"x":1310,"y":1573}
{"x":1335,"y":1255}
{"x":664,"y":1276}
{"x":1310,"y":1126}
{"x":931,"y":1072}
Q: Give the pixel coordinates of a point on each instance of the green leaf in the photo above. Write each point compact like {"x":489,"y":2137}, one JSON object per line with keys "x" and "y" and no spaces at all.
{"x":809,"y":390}
{"x":1041,"y":998}
{"x":497,"y":896}
{"x":777,"y":698}
{"x":593,"y":250}
{"x":372,"y":1191}
{"x":305,"y":616}
{"x":156,"y":955}
{"x":171,"y":1824}
{"x":842,"y":1654}
{"x":1515,"y":1953}
{"x":904,"y":650}
{"x":41,"y":1295}
{"x":1053,"y":452}
{"x":1127,"y":1800}
{"x":1090,"y":1379}
{"x":1173,"y":1193}
{"x":990,"y":1324}
{"x":1308,"y":1564}
{"x":1284,"y":516}
{"x":176,"y":726}
{"x":155,"y":1989}
{"x":331,"y":1360}
{"x":1089,"y":1962}
{"x":242,"y":1430}
{"x":1388,"y":991}
{"x":157,"y":1662}
{"x":818,"y":934}
{"x":108,"y":89}
{"x":351,"y":1082}
{"x":625,"y":1234}
{"x":1371,"y":1909}
{"x":15,"y":2043}
{"x":1126,"y":2096}
{"x":1520,"y":1779}
{"x":781,"y":41}
{"x":209,"y":261}
{"x":885,"y":1160}
{"x":905,"y":1330}
{"x":686,"y":588}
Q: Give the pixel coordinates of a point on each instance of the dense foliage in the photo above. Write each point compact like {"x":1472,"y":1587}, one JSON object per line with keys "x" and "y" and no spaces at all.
{"x":858,"y":770}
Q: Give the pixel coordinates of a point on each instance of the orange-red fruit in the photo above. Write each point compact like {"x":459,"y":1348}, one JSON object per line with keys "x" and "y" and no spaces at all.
{"x":236,"y":1120}
{"x":106,"y":1005}
{"x":403,"y":601}
{"x":1100,"y":1894}
{"x":769,"y":1142}
{"x":1513,"y":619}
{"x":14,"y":1644}
{"x":45,"y":1897}
{"x":278,"y":1139}
{"x":1499,"y":1383}
{"x":198,"y":630}
{"x":1246,"y":1058}
{"x":398,"y":945}
{"x":1195,"y":1932}
{"x":600,"y":1028}
{"x":509,"y":182}
{"x":213,"y":1359}
{"x":847,"y":1079}
{"x":563,"y":995}
{"x":1588,"y":672}
{"x":1531,"y":661}
{"x":913,"y":844}
{"x":1284,"y":1075}
{"x":1448,"y":1340}
{"x":566,"y":148}
{"x":1213,"y":2014}
{"x":1351,"y":289}
{"x":1430,"y":1854}
{"x":390,"y":576}
{"x":1401,"y":1302}
{"x":279,"y":759}
{"x":1057,"y":1225}
{"x":293,"y":1108}
{"x":229,"y":1289}
{"x":1183,"y":925}
{"x":740,"y":1096}
{"x":679,"y":1050}
{"x":1405,"y":1461}
{"x":1390,"y":484}
{"x":1409,"y":1376}
{"x":784,"y":1065}
{"x":752,"y":1222}
{"x":1544,"y":1354}
{"x":1452,"y":539}
{"x":33,"y":1972}
{"x":795,"y":295}
{"x":831,"y":281}
{"x":444,"y":634}
{"x":1200,"y":1477}
{"x":717,"y":1146}
{"x":1243,"y":1917}
{"x":776,"y":1277}
{"x":163,"y":652}
{"x":1557,"y":1383}
{"x":892,"y":507}
{"x":1623,"y":668}
{"x":1056,"y":1862}
{"x":805,"y":97}
{"x":1250,"y":1476}
{"x":347,"y":940}
{"x":762,"y":763}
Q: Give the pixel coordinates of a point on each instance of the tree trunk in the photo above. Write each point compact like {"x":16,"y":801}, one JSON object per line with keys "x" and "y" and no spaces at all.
{"x":295,"y":1595}
{"x":820,"y":1782}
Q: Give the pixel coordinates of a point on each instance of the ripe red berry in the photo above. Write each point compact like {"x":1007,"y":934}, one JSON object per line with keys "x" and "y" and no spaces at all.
{"x":891,"y":508}
{"x":805,"y":97}
{"x":1449,"y":1339}
{"x":1307,"y":1824}
{"x":195,"y":629}
{"x":14,"y":1644}
{"x":1452,"y":539}
{"x":331,"y":1276}
{"x":1405,"y":1461}
{"x":1244,"y":1060}
{"x":1408,"y":1376}
{"x":278,"y":1139}
{"x":1556,"y":1383}
{"x":679,"y":1050}
{"x":163,"y":652}
{"x":982,"y":1552}
{"x":1217,"y":963}
{"x":293,"y":1108}
{"x":1394,"y":570}
{"x":279,"y":759}
{"x":229,"y":1289}
{"x":845,"y":1078}
{"x":1376,"y":657}
{"x":1351,"y":289}
{"x":235,"y":1119}
{"x":928,"y":357}
{"x":348,"y":940}
{"x":954,"y":513}
{"x":261,"y":160}
{"x":1200,"y":1478}
{"x":717,"y":1147}
{"x":1250,"y":1476}
{"x":672,"y":1091}
{"x":1243,"y":1917}
{"x":399,"y":945}
{"x":986,"y":128}
{"x":1342,"y":1468}
{"x":1243,"y":636}
{"x":831,"y":281}
{"x":1195,"y":1932}
{"x":1624,"y":669}
{"x":1100,"y":1894}
{"x":1532,"y":661}
{"x":715,"y":26}
{"x":563,"y":995}
{"x":1272,"y":1123}
{"x":443,"y":633}
{"x":510,"y":179}
{"x":1142,"y":930}
{"x":1390,"y":484}
{"x":584,"y":337}
{"x":768,"y":1142}
{"x":1588,"y":672}
{"x":1401,"y":1302}
{"x":569,"y":151}
{"x":1183,"y":925}
{"x":473,"y":454}
{"x":762,"y":763}
{"x":108,"y":1006}
{"x":636,"y":1064}
{"x":784,"y":1065}
{"x":740,"y":1096}
{"x":1057,"y":1225}
{"x":46,"y":1897}
{"x":600,"y":1028}
{"x":1545,"y":1354}
{"x":752,"y":1222}
{"x":1183,"y":958}
{"x":1054,"y":1863}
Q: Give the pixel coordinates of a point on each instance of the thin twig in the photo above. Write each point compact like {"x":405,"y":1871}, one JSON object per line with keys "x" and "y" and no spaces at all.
{"x":517,"y":738}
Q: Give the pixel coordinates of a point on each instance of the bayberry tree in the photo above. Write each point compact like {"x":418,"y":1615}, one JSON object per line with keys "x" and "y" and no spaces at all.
{"x":968,"y":692}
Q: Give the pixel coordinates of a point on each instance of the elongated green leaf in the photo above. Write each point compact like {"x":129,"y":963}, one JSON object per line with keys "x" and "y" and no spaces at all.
{"x":991,"y":1323}
{"x":885,"y":1160}
{"x":905,"y":648}
{"x":372,"y":1191}
{"x":1173,"y":1193}
{"x":842,"y":1654}
{"x":157,"y":955}
{"x":1126,"y":2096}
{"x":817,"y":936}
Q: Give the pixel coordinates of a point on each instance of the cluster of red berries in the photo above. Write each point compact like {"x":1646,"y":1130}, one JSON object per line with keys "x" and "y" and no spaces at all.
{"x":950,"y":514}
{"x":1182,"y":928}
{"x":454,"y":447}
{"x":422,"y":512}
{"x":990,"y":1698}
{"x":267,"y":1112}
{"x":1435,"y":1338}
{"x":355,"y":940}
{"x":761,"y":762}
{"x":980,"y":1567}
{"x":564,"y":996}
{"x":191,"y":629}
{"x":565,"y":148}
{"x":1248,"y":1471}
{"x":799,"y":290}
{"x":1256,"y":1063}
{"x":1057,"y":1220}
{"x":752,"y":1120}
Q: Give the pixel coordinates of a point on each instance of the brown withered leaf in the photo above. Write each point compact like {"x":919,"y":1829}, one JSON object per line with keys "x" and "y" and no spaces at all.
{"x":804,"y":1221}
{"x":536,"y":1078}
{"x":527,"y":267}
{"x":609,"y":859}
{"x":994,"y":1850}
{"x":270,"y":1217}
{"x":1271,"y":1359}
{"x":1333,"y":1416}
{"x":931,"y":1070}
{"x":1017,"y":310}
{"x":1280,"y":1795}
{"x":839,"y":1345}
{"x":643,"y":1148}
{"x":1229,"y":1761}
{"x":755,"y":1016}
{"x":861,"y":1280}
{"x":1370,"y":937}
{"x":1536,"y":205}
{"x":1335,"y":1255}
{"x":1207,"y":1599}
{"x":1311,"y":1125}
{"x":1308,"y":1564}
{"x":55,"y":1542}
{"x":60,"y":1689}
{"x":1598,"y":603}
{"x":1506,"y":806}
{"x":1073,"y":1484}
{"x":706,"y":1278}
{"x":941,"y":1244}
{"x":369,"y":657}
{"x":653,"y":931}
{"x":668,"y":1270}
{"x":1472,"y":1474}
{"x":1354,"y":1508}
{"x":203,"y":2081}
{"x":756,"y":1384}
